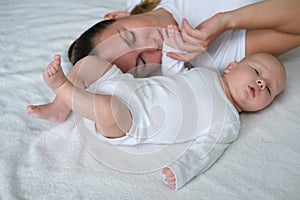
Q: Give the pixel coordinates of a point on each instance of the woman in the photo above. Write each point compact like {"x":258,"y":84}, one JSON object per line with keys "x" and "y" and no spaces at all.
{"x":271,"y":26}
{"x":278,"y":18}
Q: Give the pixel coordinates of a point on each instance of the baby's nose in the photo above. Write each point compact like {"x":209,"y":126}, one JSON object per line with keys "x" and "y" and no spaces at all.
{"x":261,"y":84}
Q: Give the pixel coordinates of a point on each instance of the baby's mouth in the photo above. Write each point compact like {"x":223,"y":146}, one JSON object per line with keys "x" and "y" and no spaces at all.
{"x":251,"y":90}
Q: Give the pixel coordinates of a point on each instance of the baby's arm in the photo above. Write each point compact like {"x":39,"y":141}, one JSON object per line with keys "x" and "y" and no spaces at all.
{"x":195,"y":160}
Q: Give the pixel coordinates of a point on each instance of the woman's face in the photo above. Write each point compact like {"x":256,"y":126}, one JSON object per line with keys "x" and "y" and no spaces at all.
{"x":132,"y":41}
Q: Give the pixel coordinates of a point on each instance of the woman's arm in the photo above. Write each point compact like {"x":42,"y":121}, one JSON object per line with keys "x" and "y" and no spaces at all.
{"x":279,"y":15}
{"x":272,"y":26}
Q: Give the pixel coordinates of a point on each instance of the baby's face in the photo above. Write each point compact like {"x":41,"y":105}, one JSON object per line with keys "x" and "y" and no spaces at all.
{"x":255,"y":81}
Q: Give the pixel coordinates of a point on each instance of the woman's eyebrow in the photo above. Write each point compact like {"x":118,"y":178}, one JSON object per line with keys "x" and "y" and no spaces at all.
{"x":129,"y":42}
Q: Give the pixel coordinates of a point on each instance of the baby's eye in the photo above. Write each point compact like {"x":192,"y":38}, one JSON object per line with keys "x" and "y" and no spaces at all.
{"x":268,"y":90}
{"x":256,"y":71}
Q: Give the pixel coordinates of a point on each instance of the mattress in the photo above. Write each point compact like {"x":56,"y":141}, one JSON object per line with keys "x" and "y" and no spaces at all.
{"x":44,"y":160}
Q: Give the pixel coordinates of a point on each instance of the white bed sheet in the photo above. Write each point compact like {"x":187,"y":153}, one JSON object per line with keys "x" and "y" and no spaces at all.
{"x":42,"y":160}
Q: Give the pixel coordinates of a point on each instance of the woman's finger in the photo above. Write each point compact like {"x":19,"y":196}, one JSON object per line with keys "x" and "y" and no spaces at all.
{"x":177,"y":56}
{"x":187,"y":29}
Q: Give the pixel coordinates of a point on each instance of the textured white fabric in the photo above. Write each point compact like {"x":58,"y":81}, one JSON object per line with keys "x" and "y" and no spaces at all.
{"x":223,"y":129}
{"x":166,"y":110}
{"x":130,"y":4}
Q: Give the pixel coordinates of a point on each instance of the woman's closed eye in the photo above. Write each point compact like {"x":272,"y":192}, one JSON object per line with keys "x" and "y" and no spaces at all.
{"x":128,"y":37}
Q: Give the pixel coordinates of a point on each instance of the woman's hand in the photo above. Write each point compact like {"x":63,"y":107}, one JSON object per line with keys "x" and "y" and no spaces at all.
{"x":116,"y":14}
{"x":169,"y":177}
{"x":188,"y":46}
{"x":206,"y":32}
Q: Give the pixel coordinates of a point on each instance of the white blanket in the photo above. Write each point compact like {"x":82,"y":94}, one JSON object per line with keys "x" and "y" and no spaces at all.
{"x":42,"y":160}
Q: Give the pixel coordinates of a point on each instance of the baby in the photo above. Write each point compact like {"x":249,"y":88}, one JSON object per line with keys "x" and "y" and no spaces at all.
{"x":194,"y":105}
{"x":118,"y":110}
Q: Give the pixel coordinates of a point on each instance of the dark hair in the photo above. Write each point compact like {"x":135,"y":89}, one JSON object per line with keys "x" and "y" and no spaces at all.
{"x":83,"y":46}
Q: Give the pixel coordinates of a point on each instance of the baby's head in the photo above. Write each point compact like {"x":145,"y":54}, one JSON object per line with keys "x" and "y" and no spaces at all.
{"x":254,"y":82}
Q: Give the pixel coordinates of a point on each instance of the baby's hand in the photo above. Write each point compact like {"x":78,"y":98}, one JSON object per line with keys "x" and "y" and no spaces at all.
{"x":189,"y":46}
{"x":169,"y":177}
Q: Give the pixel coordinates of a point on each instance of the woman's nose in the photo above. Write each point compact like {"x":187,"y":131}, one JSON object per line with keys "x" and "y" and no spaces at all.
{"x":261,"y":84}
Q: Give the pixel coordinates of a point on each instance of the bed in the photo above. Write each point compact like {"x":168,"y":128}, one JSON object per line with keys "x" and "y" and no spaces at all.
{"x":43,"y":160}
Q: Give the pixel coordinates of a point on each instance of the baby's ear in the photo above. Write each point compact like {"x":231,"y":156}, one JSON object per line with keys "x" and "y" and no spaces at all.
{"x":116,"y":15}
{"x":230,"y":67}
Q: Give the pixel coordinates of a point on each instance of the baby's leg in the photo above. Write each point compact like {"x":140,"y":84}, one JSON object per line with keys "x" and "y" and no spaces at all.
{"x":80,"y":75}
{"x":56,"y":111}
{"x":112,"y":117}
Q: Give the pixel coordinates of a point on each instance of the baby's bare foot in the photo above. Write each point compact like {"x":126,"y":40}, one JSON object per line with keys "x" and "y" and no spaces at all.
{"x":51,"y":112}
{"x":53,"y":75}
{"x":56,"y":111}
